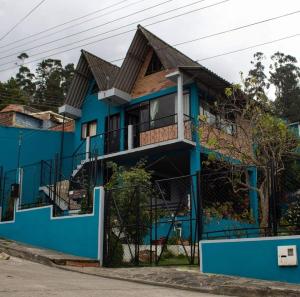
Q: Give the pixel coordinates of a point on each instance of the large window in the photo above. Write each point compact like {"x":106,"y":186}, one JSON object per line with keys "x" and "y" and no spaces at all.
{"x":157,"y":113}
{"x":88,"y":129}
{"x":163,"y":111}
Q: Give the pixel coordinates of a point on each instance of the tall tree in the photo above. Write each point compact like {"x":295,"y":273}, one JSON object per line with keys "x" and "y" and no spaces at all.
{"x":25,"y":78}
{"x":256,"y":83}
{"x":285,"y":76}
{"x":49,"y":75}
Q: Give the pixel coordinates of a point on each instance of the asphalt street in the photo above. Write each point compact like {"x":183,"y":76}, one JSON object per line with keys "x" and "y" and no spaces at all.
{"x":20,"y":278}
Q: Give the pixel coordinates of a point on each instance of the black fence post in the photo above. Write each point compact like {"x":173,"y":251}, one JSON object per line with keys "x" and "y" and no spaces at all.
{"x":199,"y":212}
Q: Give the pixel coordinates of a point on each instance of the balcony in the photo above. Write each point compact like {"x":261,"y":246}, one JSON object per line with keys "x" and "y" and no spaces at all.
{"x":159,"y":135}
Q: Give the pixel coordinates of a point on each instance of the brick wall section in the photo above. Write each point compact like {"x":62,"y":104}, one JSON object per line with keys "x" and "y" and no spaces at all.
{"x":69,"y":127}
{"x":150,"y":83}
{"x":240,"y":141}
{"x":7,"y":118}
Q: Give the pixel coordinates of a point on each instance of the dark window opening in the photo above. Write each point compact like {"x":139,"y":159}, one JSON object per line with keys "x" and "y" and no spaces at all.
{"x":155,"y":65}
{"x":95,"y":89}
{"x":112,"y":136}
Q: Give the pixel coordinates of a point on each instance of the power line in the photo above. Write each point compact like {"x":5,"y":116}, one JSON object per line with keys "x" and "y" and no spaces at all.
{"x":222,"y":32}
{"x":22,"y":19}
{"x":115,"y":35}
{"x":94,"y":27}
{"x":65,"y":23}
{"x":226,"y":31}
{"x":249,"y":47}
{"x":69,"y":27}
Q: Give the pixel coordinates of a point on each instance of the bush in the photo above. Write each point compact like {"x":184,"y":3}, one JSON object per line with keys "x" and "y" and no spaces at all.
{"x":116,"y":252}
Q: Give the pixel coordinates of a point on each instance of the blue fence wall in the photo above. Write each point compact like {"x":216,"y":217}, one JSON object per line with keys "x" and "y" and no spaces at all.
{"x":255,"y":258}
{"x":76,"y":235}
{"x":37,"y":145}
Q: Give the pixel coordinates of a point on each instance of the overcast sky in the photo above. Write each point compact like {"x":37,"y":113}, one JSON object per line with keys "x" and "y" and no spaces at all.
{"x":211,"y":20}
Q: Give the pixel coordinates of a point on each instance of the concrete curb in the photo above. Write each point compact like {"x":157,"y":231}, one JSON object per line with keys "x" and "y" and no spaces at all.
{"x":27,"y":256}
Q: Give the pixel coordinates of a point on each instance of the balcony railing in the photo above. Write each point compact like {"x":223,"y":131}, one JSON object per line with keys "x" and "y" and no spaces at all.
{"x":134,"y":136}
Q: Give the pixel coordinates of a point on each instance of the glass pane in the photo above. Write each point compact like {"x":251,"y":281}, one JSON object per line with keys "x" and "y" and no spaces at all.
{"x":83,"y":130}
{"x":93,"y":129}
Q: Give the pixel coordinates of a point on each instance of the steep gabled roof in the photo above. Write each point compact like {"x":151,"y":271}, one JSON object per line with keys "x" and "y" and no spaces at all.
{"x":88,"y":67}
{"x":109,"y":76}
{"x":143,"y":39}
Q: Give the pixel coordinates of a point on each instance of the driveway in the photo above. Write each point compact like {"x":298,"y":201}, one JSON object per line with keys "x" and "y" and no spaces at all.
{"x":20,"y":278}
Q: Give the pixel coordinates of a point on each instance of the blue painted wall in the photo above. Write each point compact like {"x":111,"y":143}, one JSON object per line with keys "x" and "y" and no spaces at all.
{"x":255,"y":259}
{"x":37,"y":145}
{"x":72,"y":235}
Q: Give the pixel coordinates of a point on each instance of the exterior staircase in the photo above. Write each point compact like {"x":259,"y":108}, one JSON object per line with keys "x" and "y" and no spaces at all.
{"x":62,"y":198}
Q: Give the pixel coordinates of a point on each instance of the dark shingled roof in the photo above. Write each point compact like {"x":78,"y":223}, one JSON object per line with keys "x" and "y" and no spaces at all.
{"x":108,"y":75}
{"x":90,"y":66}
{"x":143,"y":39}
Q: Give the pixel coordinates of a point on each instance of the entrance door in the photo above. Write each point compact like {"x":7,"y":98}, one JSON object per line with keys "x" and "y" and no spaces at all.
{"x":112,"y":136}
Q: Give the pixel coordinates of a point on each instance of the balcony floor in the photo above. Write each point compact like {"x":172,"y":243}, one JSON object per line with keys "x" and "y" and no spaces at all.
{"x":160,"y":147}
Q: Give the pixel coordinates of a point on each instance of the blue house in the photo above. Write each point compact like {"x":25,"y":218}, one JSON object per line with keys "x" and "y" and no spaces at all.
{"x":146,"y":109}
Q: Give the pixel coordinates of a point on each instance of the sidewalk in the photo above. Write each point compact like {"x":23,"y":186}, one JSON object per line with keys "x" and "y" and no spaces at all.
{"x":180,"y":278}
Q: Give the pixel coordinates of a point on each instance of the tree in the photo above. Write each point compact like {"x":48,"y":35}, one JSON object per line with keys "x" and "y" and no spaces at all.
{"x":49,"y":75}
{"x":257,"y":81}
{"x":285,"y":76}
{"x":260,"y":138}
{"x":131,"y":188}
{"x":10,"y":92}
{"x":25,"y":78}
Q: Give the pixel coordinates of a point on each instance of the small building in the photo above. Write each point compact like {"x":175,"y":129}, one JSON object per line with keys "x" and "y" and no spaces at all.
{"x":22,"y":116}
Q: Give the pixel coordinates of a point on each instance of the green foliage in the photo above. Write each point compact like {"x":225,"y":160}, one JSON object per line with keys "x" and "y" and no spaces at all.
{"x":116,"y":252}
{"x":131,"y":190}
{"x":284,"y":75}
{"x":225,"y":210}
{"x":292,"y":215}
{"x":45,"y":89}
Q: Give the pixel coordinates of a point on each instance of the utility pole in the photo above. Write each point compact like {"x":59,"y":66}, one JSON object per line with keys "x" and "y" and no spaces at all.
{"x":19,"y":148}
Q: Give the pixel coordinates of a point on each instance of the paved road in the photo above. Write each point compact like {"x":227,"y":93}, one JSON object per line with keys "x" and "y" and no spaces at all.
{"x":20,"y":278}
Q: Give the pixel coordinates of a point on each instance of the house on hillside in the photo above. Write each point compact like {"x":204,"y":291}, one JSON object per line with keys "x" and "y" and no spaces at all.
{"x":22,"y":116}
{"x":147,"y":109}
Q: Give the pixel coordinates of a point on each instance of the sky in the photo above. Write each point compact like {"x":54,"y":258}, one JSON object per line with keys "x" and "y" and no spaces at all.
{"x":216,"y":16}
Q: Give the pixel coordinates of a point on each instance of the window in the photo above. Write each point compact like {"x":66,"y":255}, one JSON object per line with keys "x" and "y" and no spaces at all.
{"x":208,"y":115}
{"x":163,"y":111}
{"x":155,"y":65}
{"x":88,"y":129}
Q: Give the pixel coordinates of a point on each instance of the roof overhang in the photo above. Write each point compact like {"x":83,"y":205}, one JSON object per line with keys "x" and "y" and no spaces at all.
{"x":174,"y":75}
{"x":70,"y":111}
{"x":114,"y":96}
{"x":206,"y":77}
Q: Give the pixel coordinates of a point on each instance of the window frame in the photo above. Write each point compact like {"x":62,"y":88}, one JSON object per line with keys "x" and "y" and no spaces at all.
{"x":87,"y":124}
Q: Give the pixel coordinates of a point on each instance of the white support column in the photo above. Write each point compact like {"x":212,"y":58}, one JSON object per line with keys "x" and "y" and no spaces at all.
{"x":180,"y":116}
{"x":87,"y":148}
{"x":130,"y":137}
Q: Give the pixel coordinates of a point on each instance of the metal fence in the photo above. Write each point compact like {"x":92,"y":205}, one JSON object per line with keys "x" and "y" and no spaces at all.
{"x":155,"y":225}
{"x":10,"y":178}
